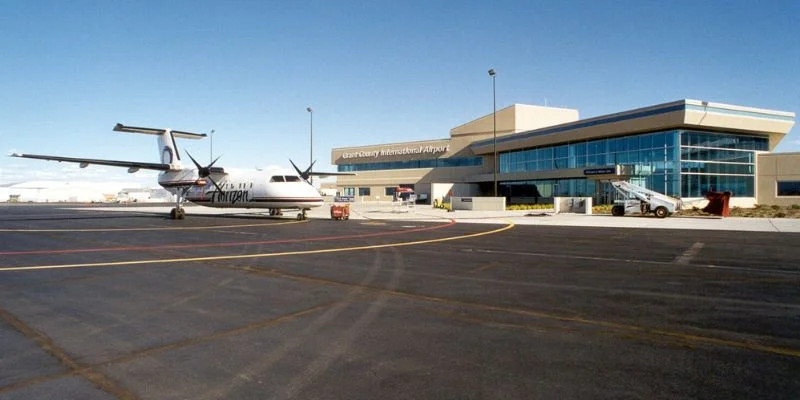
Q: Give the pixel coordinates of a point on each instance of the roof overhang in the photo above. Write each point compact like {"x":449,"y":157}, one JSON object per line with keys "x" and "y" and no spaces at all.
{"x":683,"y":114}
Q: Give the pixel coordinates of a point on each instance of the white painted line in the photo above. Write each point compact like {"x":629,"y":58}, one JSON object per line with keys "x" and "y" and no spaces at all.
{"x":688,"y":255}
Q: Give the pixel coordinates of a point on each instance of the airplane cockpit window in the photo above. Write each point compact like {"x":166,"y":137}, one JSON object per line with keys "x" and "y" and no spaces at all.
{"x":290,"y":178}
{"x":277,"y":178}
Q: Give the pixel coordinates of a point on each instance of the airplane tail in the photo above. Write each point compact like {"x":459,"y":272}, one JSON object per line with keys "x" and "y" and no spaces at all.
{"x":168,"y":150}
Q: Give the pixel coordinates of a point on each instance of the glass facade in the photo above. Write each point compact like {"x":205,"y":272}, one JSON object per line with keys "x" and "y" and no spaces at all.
{"x":719,"y":162}
{"x":430,"y":163}
{"x":678,"y":163}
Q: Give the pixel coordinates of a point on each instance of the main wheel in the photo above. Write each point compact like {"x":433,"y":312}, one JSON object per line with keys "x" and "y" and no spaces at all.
{"x":173,"y":213}
{"x":299,"y":216}
{"x":661,"y":212}
{"x":617,"y":210}
{"x":181,"y":213}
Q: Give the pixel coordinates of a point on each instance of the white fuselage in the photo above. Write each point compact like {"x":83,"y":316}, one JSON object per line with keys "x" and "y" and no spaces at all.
{"x":244,"y":189}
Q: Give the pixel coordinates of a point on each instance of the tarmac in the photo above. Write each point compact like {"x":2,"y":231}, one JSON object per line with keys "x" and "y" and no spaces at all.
{"x":122,"y":302}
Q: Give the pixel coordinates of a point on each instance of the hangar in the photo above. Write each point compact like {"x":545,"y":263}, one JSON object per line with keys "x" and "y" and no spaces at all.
{"x":682,"y":149}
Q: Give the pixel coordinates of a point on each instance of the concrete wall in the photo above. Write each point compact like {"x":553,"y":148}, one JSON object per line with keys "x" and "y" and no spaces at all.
{"x":772,"y":168}
{"x":478,"y":203}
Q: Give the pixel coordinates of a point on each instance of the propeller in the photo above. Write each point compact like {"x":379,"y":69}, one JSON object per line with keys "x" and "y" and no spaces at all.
{"x":303,"y":174}
{"x":205,"y":172}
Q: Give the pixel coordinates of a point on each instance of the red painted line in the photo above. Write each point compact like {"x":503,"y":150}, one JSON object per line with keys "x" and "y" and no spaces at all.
{"x":194,"y":245}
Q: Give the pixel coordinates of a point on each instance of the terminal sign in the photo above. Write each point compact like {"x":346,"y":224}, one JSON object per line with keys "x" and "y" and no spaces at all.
{"x":600,"y":171}
{"x":396,"y":152}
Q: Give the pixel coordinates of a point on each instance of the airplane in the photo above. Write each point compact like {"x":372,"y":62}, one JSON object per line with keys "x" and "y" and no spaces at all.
{"x":215,"y":186}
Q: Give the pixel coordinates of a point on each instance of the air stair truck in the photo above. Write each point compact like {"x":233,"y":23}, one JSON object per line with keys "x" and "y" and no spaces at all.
{"x":638,"y":200}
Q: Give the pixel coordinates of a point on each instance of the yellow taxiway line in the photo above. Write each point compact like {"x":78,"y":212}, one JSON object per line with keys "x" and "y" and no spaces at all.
{"x":259,"y":255}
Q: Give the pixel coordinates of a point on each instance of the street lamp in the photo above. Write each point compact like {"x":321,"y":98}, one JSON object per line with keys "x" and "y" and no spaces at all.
{"x":494,"y":130}
{"x":311,"y":144}
{"x":211,"y":156}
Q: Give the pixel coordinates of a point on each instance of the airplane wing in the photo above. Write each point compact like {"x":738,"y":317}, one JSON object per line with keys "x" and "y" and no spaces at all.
{"x":131,"y":165}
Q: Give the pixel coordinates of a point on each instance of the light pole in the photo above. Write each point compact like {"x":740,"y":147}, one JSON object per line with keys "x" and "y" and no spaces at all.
{"x":211,"y":156}
{"x":494,"y":131}
{"x":311,"y":143}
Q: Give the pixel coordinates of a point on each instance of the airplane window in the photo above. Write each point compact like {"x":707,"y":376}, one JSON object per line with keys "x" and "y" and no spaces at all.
{"x":277,"y":178}
{"x":290,"y":178}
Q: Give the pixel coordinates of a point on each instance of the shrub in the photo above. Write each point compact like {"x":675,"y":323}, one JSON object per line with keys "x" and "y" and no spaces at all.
{"x":795,"y":207}
{"x":517,"y":207}
{"x":780,"y":215}
{"x":776,"y":207}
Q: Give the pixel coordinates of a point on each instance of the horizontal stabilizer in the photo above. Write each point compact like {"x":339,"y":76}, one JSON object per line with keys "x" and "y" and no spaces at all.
{"x":154,"y":131}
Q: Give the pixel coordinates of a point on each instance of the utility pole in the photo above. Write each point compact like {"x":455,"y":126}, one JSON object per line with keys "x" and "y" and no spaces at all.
{"x":494,"y":130}
{"x":311,"y":144}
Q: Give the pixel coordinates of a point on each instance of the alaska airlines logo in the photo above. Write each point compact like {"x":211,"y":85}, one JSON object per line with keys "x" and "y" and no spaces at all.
{"x":166,"y":155}
{"x":230,"y":196}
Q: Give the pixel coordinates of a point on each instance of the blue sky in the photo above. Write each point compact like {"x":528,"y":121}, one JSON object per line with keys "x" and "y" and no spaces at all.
{"x":373,"y":71}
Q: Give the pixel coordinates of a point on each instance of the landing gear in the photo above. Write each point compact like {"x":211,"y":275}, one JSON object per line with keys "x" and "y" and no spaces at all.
{"x":275,"y":212}
{"x":301,"y":216}
{"x":178,"y":212}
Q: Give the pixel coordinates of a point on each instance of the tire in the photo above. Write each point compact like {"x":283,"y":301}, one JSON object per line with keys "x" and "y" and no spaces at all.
{"x":618,"y":211}
{"x":661,"y":212}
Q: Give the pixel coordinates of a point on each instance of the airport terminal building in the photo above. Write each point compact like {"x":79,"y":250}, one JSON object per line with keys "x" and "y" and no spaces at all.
{"x":682,"y":149}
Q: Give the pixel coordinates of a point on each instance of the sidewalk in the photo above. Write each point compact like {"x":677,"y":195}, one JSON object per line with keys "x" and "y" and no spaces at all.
{"x":385,"y":211}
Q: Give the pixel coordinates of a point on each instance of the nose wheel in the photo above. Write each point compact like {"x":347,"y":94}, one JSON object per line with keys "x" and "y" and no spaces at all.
{"x":301,"y":216}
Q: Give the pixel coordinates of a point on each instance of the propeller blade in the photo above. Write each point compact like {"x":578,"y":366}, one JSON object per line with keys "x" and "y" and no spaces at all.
{"x":213,"y":162}
{"x":202,"y":171}
{"x":308,"y":170}
{"x":194,"y":161}
{"x":299,"y":173}
{"x":215,"y":185}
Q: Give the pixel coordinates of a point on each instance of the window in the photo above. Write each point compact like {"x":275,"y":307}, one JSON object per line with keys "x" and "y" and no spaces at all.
{"x":290,"y":178}
{"x":277,"y":178}
{"x":389,"y":191}
{"x":363,"y":191}
{"x":348,"y":191}
{"x":788,"y":188}
{"x":427,"y":163}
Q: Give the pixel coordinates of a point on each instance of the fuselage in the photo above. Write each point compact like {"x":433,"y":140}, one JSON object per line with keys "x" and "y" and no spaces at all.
{"x":244,"y":189}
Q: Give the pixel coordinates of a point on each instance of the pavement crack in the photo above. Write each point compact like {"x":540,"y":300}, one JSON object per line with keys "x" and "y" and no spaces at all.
{"x":50,"y":347}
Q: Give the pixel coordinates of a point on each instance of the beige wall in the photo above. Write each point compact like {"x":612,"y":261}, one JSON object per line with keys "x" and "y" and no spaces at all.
{"x":516,"y":118}
{"x":772,"y":168}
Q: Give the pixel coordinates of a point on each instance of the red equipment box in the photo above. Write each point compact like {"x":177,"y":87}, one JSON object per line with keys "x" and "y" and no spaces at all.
{"x":340,"y":212}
